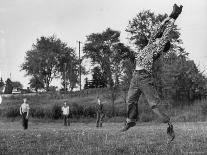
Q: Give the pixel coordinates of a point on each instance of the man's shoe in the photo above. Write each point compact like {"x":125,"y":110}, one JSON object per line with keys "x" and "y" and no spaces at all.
{"x":127,"y":126}
{"x":170,"y":132}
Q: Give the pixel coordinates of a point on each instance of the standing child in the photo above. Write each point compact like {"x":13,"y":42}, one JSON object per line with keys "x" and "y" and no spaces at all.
{"x":0,"y":99}
{"x":100,"y":113}
{"x":66,"y":111}
{"x":24,"y":111}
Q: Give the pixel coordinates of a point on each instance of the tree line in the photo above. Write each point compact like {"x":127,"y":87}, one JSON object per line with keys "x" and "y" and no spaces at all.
{"x":177,"y":77}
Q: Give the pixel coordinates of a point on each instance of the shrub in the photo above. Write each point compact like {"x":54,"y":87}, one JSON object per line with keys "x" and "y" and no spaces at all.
{"x":77,"y":110}
{"x":12,"y":111}
{"x":56,"y":112}
{"x":90,"y":111}
{"x":204,"y":109}
{"x":37,"y":112}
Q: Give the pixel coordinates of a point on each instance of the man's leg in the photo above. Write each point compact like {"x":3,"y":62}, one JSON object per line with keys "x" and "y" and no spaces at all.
{"x":154,"y":102}
{"x":132,"y":107}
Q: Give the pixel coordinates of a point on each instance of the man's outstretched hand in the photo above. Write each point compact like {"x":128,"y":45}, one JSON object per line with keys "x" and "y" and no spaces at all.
{"x":176,"y":11}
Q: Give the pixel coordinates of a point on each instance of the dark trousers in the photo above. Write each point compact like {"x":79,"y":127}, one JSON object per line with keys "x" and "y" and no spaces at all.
{"x":24,"y":120}
{"x":99,"y":119}
{"x":142,"y":82}
{"x":66,"y":120}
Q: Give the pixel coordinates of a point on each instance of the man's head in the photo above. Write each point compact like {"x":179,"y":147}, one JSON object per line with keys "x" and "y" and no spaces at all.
{"x":65,"y":103}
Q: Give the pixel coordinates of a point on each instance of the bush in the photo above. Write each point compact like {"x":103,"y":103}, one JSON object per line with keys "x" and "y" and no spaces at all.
{"x":37,"y":112}
{"x":77,"y":110}
{"x":204,"y":109}
{"x":90,"y":111}
{"x":56,"y":112}
{"x":12,"y":111}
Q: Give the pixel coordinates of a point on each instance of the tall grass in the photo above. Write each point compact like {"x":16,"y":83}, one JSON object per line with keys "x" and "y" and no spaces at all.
{"x":44,"y":107}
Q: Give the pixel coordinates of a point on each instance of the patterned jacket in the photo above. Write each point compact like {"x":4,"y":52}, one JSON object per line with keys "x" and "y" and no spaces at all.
{"x":154,"y":47}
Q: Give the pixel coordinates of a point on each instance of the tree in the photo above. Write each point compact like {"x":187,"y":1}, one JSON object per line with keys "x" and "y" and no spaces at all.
{"x":36,"y":83}
{"x":106,"y":50}
{"x":98,"y":78}
{"x":1,"y":85}
{"x":9,"y":87}
{"x":68,"y":67}
{"x":17,"y":84}
{"x":45,"y":60}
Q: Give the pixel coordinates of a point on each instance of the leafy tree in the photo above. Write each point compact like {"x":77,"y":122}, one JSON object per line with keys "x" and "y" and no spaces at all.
{"x":1,"y":85}
{"x":98,"y":78}
{"x":106,"y":50}
{"x":68,"y":68}
{"x":45,"y":61}
{"x":9,"y":87}
{"x":41,"y":61}
{"x":36,"y":83}
{"x":17,"y":84}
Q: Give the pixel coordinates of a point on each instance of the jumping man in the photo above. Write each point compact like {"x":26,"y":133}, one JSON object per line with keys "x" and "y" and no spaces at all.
{"x":142,"y":81}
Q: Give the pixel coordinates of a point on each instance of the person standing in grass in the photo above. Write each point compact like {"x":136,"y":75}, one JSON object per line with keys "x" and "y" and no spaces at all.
{"x":24,"y":111}
{"x":142,"y":80}
{"x":99,"y":112}
{"x":0,"y":99}
{"x":66,"y":112}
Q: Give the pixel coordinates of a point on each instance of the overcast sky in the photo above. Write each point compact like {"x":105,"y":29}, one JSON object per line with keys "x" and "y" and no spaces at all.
{"x":23,"y":21}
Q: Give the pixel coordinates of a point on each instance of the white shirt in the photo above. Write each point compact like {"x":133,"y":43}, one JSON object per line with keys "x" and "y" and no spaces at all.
{"x":65,"y":110}
{"x":24,"y":107}
{"x":139,"y":67}
{"x":0,"y":99}
{"x":99,"y":101}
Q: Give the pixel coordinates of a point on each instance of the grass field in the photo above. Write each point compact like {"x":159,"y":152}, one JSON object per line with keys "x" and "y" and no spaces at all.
{"x":80,"y":138}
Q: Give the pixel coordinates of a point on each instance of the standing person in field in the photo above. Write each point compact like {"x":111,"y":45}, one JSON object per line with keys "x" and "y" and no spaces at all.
{"x":66,"y":112}
{"x":24,"y":111}
{"x":99,"y":112}
{"x":142,"y":81}
{"x":0,"y":99}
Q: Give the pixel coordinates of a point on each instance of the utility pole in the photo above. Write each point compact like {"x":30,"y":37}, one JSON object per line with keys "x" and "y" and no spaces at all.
{"x":79,"y":63}
{"x":65,"y":77}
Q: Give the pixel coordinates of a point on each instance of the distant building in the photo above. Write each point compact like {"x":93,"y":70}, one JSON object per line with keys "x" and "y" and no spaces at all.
{"x":16,"y":91}
{"x":20,"y":91}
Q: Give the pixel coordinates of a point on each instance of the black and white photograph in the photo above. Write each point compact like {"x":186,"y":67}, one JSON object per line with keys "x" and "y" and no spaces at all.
{"x":103,"y":77}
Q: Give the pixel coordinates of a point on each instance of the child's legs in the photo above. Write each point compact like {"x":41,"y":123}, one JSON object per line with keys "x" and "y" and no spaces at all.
{"x":101,"y":119}
{"x":98,"y":119}
{"x":26,"y":123}
{"x":24,"y":119}
{"x":65,"y":120}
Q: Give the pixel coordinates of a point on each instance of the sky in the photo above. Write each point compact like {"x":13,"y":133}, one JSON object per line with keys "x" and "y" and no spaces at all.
{"x":23,"y":21}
